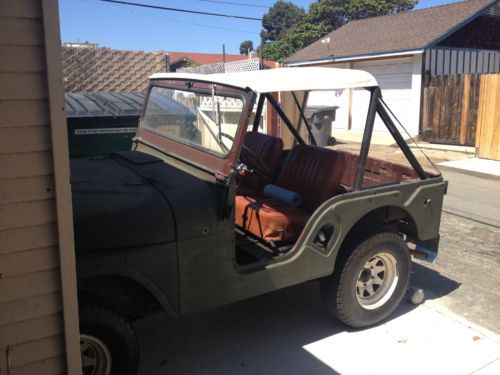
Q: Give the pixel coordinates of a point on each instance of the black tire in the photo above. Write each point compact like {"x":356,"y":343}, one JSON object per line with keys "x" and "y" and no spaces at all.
{"x":345,"y":292}
{"x":115,"y":333}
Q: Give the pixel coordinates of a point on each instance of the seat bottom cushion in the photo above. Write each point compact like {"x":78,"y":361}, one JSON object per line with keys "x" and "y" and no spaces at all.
{"x":269,"y":219}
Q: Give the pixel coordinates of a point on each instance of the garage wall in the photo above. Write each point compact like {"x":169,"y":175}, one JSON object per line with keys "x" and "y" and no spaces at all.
{"x":338,"y":98}
{"x":37,"y":334}
{"x":400,"y":81}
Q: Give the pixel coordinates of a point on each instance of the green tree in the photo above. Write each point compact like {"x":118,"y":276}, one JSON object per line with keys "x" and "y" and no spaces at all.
{"x":300,"y":36}
{"x":336,"y":13}
{"x":325,"y":16}
{"x":245,"y":47}
{"x":281,"y":16}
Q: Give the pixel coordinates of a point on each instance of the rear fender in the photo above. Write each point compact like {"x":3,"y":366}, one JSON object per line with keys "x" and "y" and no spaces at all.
{"x":421,"y":200}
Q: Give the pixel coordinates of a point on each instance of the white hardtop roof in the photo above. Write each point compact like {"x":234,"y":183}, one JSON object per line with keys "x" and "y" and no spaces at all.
{"x":284,"y":79}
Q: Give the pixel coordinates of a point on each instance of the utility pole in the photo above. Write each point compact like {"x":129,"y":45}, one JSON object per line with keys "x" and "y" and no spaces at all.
{"x":261,"y":60}
{"x":224,"y":58}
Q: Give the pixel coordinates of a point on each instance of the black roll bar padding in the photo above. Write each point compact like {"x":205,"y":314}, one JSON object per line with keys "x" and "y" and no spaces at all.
{"x":258,"y":113}
{"x":285,"y":119}
{"x":367,"y":135}
{"x":303,"y":116}
{"x":400,"y":141}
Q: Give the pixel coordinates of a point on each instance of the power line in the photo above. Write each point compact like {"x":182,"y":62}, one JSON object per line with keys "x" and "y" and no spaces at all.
{"x":182,"y":10}
{"x":180,"y":21}
{"x":238,"y":4}
{"x":281,"y":26}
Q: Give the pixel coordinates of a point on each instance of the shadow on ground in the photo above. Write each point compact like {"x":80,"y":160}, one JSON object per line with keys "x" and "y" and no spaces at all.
{"x":262,"y":335}
{"x":434,"y":284}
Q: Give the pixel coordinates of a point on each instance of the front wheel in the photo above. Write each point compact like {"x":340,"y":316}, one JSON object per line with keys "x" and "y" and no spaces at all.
{"x":108,"y":345}
{"x":368,"y":285}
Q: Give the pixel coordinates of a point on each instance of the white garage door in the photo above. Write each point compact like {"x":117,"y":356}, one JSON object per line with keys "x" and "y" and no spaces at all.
{"x":395,"y":79}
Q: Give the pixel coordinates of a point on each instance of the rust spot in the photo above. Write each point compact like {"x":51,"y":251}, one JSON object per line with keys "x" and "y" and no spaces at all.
{"x":476,"y":338}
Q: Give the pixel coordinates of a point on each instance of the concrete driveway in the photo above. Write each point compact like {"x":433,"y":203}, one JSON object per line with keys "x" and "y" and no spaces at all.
{"x":289,"y":332}
{"x":456,"y":331}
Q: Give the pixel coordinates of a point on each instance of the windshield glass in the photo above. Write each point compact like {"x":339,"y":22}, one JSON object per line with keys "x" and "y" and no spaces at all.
{"x":205,"y":120}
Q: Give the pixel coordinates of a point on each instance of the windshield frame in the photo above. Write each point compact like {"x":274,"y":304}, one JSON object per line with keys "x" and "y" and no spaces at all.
{"x":187,"y":151}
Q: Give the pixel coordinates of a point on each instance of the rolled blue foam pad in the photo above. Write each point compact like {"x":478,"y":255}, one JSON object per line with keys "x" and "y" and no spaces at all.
{"x":288,"y":197}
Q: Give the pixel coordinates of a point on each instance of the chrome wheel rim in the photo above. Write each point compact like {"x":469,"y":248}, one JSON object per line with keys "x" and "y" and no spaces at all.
{"x":96,"y":357}
{"x":377,"y":281}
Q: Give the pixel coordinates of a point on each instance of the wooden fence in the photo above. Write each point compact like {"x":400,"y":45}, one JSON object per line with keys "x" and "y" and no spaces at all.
{"x":488,"y":125}
{"x":289,"y":106}
{"x":450,"y":108}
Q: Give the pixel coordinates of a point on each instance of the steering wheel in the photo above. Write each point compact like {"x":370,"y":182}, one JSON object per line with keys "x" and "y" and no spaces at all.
{"x":257,"y":165}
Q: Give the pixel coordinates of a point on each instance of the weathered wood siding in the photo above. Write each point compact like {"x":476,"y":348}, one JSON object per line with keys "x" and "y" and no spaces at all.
{"x":289,"y":106}
{"x":450,"y":108}
{"x":31,"y":323}
{"x":488,"y":125}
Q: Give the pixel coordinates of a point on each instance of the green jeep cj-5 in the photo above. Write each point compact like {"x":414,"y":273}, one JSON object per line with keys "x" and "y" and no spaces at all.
{"x":206,"y":210}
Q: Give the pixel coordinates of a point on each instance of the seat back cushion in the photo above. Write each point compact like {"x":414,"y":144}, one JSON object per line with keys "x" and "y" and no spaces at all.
{"x":314,"y":172}
{"x":268,"y":149}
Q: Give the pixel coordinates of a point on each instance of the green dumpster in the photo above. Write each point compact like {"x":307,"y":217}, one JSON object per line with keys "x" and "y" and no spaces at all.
{"x":100,"y":123}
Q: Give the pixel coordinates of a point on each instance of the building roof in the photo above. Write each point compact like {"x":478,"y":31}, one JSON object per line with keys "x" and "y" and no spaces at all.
{"x":284,"y":79}
{"x":407,"y":31}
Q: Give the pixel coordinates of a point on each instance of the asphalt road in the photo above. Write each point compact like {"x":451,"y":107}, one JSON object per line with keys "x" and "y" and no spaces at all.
{"x":473,"y":197}
{"x":466,"y":274}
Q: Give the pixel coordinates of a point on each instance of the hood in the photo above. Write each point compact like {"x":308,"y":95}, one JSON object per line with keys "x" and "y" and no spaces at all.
{"x":113,"y":207}
{"x":130,"y":199}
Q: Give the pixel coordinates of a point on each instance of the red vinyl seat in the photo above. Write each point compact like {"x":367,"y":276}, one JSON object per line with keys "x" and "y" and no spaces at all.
{"x":268,"y":149}
{"x":312,"y":171}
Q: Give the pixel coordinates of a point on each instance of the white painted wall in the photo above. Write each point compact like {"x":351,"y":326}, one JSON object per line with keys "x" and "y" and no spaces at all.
{"x":400,"y":81}
{"x":339,"y":98}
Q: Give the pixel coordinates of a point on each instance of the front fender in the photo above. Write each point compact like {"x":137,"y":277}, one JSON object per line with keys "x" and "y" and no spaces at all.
{"x":136,"y":277}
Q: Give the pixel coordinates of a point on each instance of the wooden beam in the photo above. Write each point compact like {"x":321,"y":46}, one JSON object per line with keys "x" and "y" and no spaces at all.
{"x":465,"y":108}
{"x":63,"y":189}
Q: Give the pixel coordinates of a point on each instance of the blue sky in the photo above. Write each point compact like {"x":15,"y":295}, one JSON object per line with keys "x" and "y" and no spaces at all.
{"x":125,"y":27}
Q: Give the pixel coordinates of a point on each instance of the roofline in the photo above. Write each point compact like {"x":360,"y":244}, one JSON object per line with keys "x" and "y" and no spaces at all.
{"x":356,"y":57}
{"x":395,"y":52}
{"x":461,"y":24}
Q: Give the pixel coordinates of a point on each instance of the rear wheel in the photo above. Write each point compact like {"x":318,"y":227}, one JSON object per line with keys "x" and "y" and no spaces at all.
{"x":369,"y":283}
{"x":108,"y":345}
